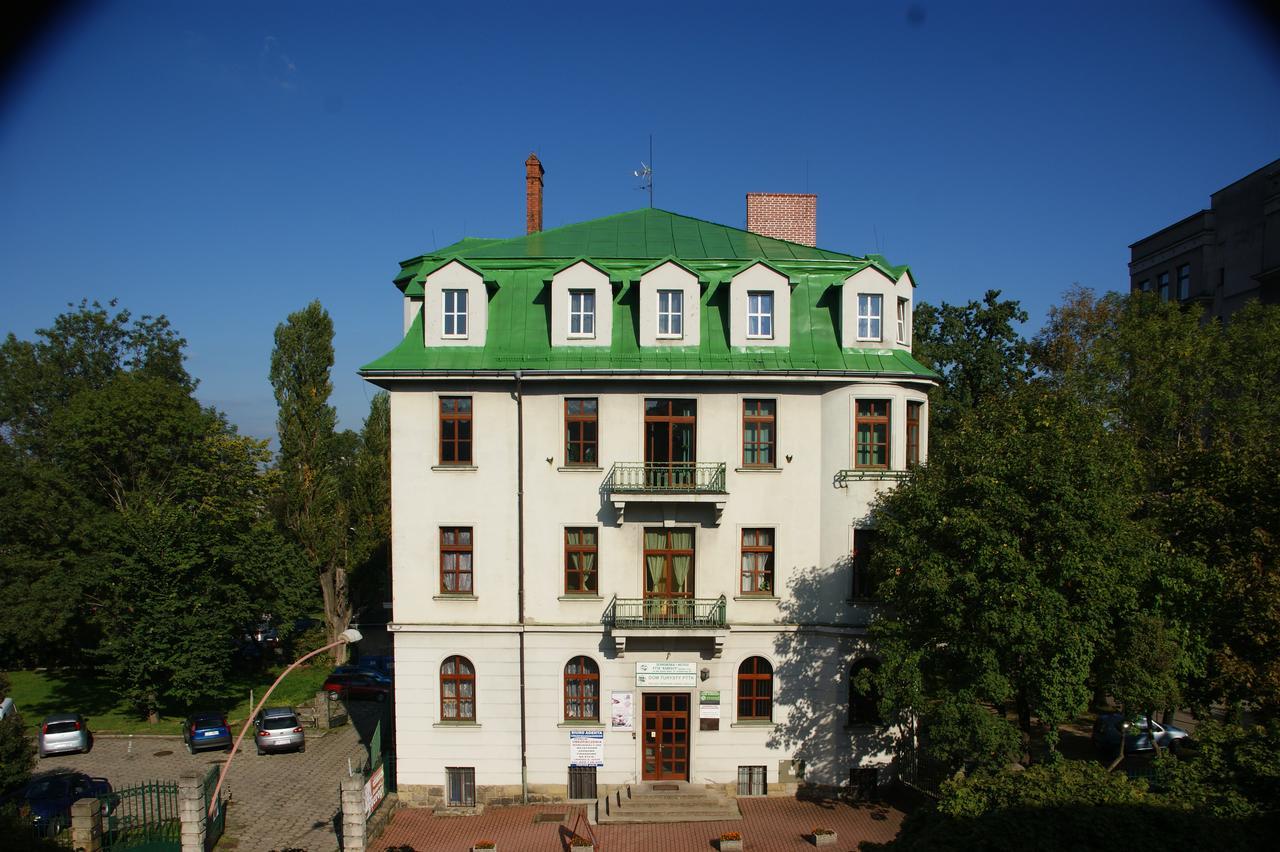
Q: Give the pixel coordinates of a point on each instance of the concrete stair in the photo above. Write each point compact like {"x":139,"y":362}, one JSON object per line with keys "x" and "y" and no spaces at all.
{"x":666,"y":801}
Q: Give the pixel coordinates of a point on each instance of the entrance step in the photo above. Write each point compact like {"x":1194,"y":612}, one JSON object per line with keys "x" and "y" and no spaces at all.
{"x":665,"y":801}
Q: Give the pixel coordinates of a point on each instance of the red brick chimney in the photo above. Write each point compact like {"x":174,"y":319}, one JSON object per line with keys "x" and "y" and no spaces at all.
{"x":533,"y":194}
{"x":784,"y":216}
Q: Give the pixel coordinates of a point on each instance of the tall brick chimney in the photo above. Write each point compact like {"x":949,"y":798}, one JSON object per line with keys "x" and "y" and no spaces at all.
{"x":533,"y":194}
{"x":784,"y":216}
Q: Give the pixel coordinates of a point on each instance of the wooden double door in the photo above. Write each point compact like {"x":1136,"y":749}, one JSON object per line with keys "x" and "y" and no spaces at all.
{"x":665,"y":722}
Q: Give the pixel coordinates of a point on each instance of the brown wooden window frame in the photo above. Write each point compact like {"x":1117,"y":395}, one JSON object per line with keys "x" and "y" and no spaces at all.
{"x":758,"y":417}
{"x":861,"y":586}
{"x":459,"y":680}
{"x":864,"y":707}
{"x":871,"y":420}
{"x":453,"y":416}
{"x":914,"y":410}
{"x":755,"y":690}
{"x":587,"y":679}
{"x":458,"y":549}
{"x":583,"y":421}
{"x":574,"y":571}
{"x":761,"y":578}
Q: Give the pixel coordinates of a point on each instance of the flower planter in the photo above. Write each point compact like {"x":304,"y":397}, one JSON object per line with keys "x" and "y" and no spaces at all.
{"x":824,"y":837}
{"x":730,"y":844}
{"x":485,"y":846}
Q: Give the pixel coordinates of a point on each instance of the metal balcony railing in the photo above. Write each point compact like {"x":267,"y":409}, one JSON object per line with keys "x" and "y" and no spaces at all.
{"x":665,"y":478}
{"x":658,"y":613}
{"x":844,"y":477}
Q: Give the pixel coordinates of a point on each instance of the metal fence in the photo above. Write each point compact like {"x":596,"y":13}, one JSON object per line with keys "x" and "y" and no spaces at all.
{"x":218,"y":822}
{"x":142,"y":817}
{"x":665,"y":612}
{"x":673,"y":477}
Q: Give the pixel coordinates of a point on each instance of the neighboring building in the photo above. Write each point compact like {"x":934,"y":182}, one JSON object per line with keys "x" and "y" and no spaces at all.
{"x":1221,"y":257}
{"x":632,"y":462}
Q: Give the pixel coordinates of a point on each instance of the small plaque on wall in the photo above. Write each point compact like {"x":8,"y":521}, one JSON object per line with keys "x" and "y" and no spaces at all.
{"x":709,"y":711}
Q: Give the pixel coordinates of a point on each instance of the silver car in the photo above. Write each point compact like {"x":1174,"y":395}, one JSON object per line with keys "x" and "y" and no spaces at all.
{"x":64,"y":732}
{"x":278,"y":729}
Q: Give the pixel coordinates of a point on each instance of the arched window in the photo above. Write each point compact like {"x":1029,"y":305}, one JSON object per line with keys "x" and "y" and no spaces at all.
{"x":755,"y":689}
{"x":864,"y":697}
{"x":457,"y":690}
{"x":582,"y":689}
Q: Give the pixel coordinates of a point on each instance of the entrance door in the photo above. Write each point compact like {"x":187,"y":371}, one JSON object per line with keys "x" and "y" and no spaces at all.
{"x":669,"y":433}
{"x":666,"y":737}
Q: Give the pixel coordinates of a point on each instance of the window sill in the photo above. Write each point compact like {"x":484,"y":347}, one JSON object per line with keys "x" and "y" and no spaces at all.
{"x":579,"y":468}
{"x":668,"y":337}
{"x":580,"y":337}
{"x":596,"y":598}
{"x":459,"y":596}
{"x":454,"y":467}
{"x":768,"y":337}
{"x":860,"y":601}
{"x":768,"y":598}
{"x":753,"y":723}
{"x":456,"y":725}
{"x":760,"y":469}
{"x":586,"y":725}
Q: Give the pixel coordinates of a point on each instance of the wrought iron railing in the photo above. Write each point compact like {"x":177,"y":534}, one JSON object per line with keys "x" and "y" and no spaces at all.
{"x":665,"y":478}
{"x":646,"y":613}
{"x":843,"y":477}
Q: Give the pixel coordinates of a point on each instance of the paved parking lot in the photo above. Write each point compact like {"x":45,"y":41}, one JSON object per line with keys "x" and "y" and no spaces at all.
{"x":278,"y":801}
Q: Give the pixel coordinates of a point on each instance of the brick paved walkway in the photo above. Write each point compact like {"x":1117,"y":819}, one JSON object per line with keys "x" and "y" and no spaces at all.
{"x":767,"y":824}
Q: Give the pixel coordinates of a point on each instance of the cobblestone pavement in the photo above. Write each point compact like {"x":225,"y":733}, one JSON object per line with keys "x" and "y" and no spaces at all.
{"x":278,"y":801}
{"x":767,"y":824}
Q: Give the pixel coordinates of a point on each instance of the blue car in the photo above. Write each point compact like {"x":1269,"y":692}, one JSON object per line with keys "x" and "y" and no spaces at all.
{"x":1137,"y":737}
{"x":47,"y":799}
{"x":206,"y":731}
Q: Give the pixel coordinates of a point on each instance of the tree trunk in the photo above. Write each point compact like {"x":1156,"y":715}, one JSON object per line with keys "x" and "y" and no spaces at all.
{"x":1024,"y":724}
{"x":337,"y":609}
{"x":1155,"y":743}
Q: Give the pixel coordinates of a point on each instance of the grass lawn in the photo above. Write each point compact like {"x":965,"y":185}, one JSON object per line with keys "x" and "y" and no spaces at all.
{"x":41,"y":692}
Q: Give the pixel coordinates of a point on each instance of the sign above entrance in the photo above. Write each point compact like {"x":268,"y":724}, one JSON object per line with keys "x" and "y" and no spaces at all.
{"x":666,"y":674}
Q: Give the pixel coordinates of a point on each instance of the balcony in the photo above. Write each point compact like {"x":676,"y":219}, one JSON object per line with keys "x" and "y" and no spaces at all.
{"x":844,"y":477}
{"x":666,"y":482}
{"x":654,"y":617}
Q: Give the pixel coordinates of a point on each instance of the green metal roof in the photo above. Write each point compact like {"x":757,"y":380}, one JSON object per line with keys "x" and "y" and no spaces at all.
{"x":624,"y":246}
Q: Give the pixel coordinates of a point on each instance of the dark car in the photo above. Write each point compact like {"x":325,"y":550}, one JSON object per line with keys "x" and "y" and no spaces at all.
{"x":357,"y":685}
{"x":1137,"y":737}
{"x":47,"y":800}
{"x":206,"y":730}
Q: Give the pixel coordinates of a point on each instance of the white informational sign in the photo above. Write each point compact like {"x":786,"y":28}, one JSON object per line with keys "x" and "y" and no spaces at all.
{"x":709,"y":705}
{"x":666,"y":674}
{"x":622,"y":713}
{"x":586,"y":748}
{"x":373,"y":792}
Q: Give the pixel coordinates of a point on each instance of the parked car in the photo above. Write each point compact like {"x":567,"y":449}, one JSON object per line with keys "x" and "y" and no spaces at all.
{"x":47,"y":800}
{"x":278,"y":729}
{"x":357,"y":684}
{"x":61,"y":733}
{"x":206,"y":730}
{"x":7,"y":709}
{"x":384,"y":663}
{"x":1106,"y":734}
{"x":362,"y":668}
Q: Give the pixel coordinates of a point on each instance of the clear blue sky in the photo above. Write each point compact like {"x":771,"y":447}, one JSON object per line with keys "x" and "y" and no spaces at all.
{"x":225,"y":163}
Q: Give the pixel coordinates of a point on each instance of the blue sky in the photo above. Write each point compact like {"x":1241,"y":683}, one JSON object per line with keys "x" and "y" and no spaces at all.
{"x":224,"y":164}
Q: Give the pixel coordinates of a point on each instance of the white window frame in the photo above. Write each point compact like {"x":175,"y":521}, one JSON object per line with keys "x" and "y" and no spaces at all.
{"x":868,"y":319}
{"x":670,"y":313}
{"x":452,"y":314}
{"x":760,"y":322}
{"x":582,"y":313}
{"x":903,"y":326}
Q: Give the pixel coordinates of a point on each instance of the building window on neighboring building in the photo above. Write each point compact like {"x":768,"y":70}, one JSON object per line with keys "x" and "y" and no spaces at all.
{"x":871,"y":428}
{"x":759,"y":315}
{"x":757,"y":562}
{"x":904,"y":326}
{"x":1145,"y":286}
{"x":582,"y":313}
{"x":455,"y":430}
{"x":462,"y":786}
{"x":759,"y":433}
{"x":670,"y":313}
{"x":582,"y":689}
{"x":913,"y":432}
{"x":1184,"y":282}
{"x":455,"y":561}
{"x":869,"y":314}
{"x":581,"y":432}
{"x":580,"y":570}
{"x":753,"y":781}
{"x":1163,"y":286}
{"x":864,"y":696}
{"x":457,"y":690}
{"x":755,"y":690}
{"x":861,"y":586}
{"x":455,"y":313}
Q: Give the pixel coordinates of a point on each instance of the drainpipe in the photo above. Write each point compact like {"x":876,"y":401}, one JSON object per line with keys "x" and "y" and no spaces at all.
{"x":524,"y":762}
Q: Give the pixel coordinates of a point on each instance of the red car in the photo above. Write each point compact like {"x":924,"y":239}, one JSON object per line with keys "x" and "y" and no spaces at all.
{"x":357,"y":685}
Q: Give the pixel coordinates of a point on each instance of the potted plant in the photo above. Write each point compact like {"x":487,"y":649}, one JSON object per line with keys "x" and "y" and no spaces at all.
{"x":484,"y":846}
{"x":824,"y":837}
{"x":731,"y":841}
{"x":581,"y":844}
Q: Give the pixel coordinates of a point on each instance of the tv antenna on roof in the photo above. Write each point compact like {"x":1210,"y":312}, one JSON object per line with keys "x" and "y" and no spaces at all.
{"x":645,"y":172}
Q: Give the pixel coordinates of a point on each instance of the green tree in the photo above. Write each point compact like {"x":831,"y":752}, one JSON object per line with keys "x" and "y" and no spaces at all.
{"x":367,"y":496}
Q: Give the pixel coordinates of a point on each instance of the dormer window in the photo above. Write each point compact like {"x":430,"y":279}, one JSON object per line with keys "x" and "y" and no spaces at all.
{"x":904,"y":326}
{"x":870,"y":306}
{"x":582,"y":313}
{"x":455,"y":313}
{"x":670,"y":313}
{"x":760,"y":315}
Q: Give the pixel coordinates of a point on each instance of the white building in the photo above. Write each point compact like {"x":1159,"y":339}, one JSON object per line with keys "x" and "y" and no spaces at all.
{"x":632,"y":461}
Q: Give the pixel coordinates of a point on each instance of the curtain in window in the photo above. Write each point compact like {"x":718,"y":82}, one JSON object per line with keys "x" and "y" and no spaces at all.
{"x":680,"y":565}
{"x":655,"y":563}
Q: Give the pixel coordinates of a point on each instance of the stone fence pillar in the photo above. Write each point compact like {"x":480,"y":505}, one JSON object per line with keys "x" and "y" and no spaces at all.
{"x":353,"y":824}
{"x":192,"y":812}
{"x":86,"y":825}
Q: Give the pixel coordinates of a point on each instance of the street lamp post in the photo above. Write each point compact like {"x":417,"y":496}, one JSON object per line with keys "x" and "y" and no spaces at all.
{"x":349,"y":636}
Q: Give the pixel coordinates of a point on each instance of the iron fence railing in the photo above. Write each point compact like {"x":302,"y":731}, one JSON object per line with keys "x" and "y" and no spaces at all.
{"x":665,"y":478}
{"x":652,"y":613}
{"x":844,"y":477}
{"x":143,"y":816}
